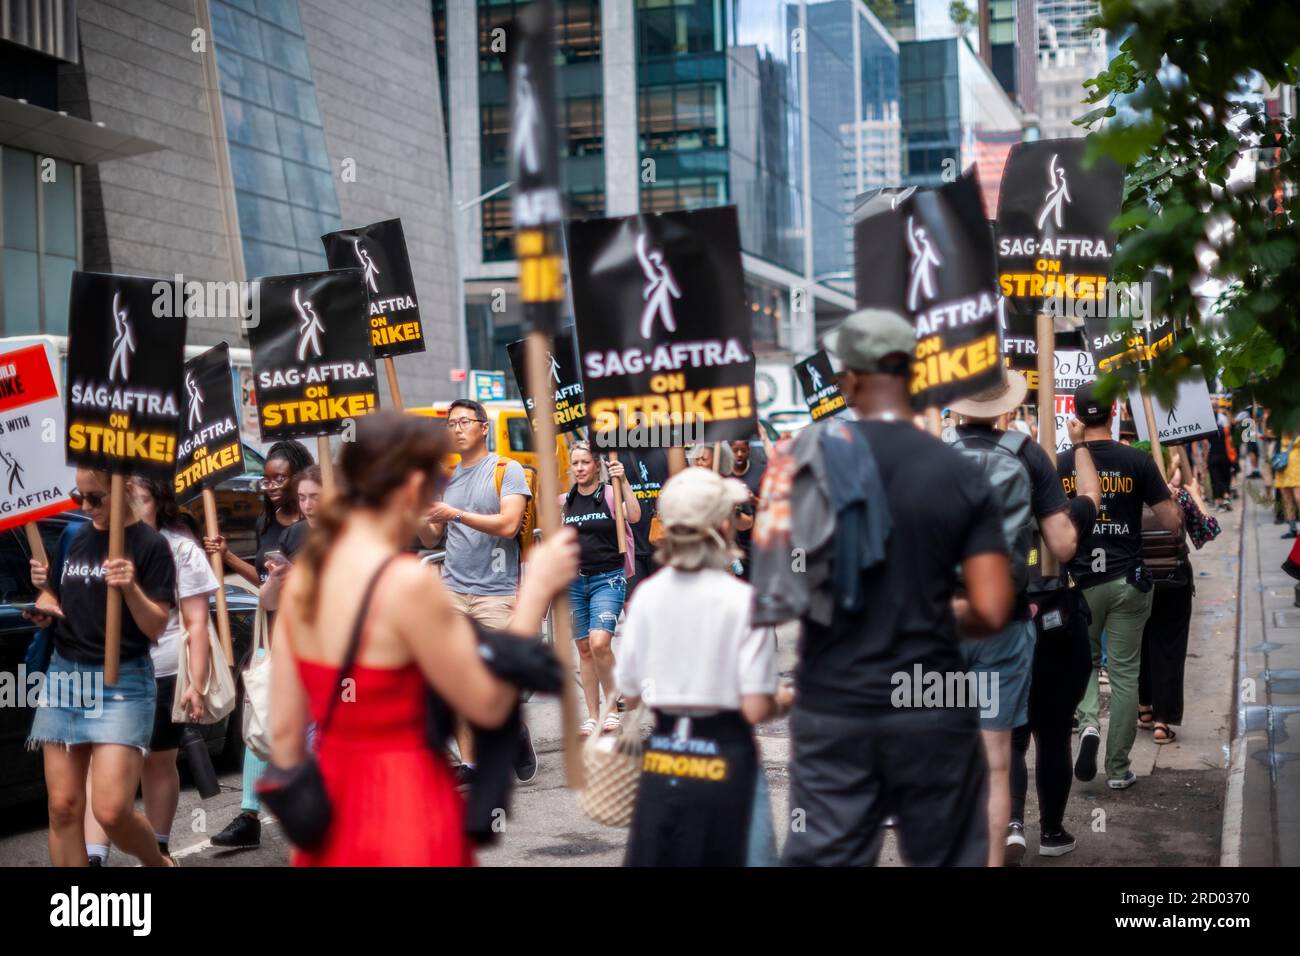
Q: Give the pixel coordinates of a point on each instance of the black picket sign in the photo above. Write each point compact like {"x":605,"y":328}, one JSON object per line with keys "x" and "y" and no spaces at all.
{"x":950,"y":292}
{"x":210,"y":449}
{"x":663,"y":332}
{"x":379,"y":251}
{"x":313,"y":365}
{"x":124,"y":376}
{"x":817,"y":380}
{"x":1054,"y":238}
{"x":570,"y":410}
{"x":880,"y":250}
{"x":1019,"y":336}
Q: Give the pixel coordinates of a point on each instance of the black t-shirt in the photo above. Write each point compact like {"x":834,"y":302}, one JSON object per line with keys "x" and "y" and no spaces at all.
{"x":647,"y":470}
{"x":273,"y":536}
{"x":597,"y":535}
{"x":943,"y":511}
{"x":83,"y":595}
{"x":753,"y":480}
{"x":1129,"y":480}
{"x":294,"y":537}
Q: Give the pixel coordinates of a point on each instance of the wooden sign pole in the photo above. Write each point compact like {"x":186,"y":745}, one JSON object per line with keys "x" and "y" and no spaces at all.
{"x":36,"y":544}
{"x":1045,"y":332}
{"x":326,"y":461}
{"x":537,"y":346}
{"x":223,"y":613}
{"x":618,"y":510}
{"x":113,"y":617}
{"x":717,"y":457}
{"x":394,"y":390}
{"x":1153,"y":433}
{"x":934,"y":422}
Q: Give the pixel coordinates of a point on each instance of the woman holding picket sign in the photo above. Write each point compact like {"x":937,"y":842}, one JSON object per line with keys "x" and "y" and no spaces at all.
{"x":155,"y":504}
{"x":114,"y":724}
{"x":596,"y":595}
{"x":280,"y":514}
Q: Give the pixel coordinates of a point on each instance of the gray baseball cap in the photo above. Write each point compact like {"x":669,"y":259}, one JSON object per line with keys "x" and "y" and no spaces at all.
{"x":869,"y":335}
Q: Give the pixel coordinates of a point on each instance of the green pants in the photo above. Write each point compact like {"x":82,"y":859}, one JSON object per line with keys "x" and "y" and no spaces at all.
{"x":1121,"y":610}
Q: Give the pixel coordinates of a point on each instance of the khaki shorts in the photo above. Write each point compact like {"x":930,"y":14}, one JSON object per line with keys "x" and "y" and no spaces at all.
{"x":489,"y":610}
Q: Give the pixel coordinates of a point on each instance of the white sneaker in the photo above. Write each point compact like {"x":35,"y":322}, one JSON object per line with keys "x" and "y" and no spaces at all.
{"x":1015,"y":851}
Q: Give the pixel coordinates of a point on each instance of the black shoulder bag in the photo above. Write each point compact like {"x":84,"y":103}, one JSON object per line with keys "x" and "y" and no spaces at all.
{"x":297,"y":795}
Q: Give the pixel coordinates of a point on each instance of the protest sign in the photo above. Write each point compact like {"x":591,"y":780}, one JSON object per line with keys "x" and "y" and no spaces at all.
{"x":818,"y":383}
{"x":379,"y":251}
{"x":36,"y":479}
{"x":664,"y":337}
{"x":880,"y":250}
{"x":1188,"y":417}
{"x":1117,"y":342}
{"x":951,"y":294}
{"x":1073,"y":368}
{"x":313,"y":364}
{"x":210,"y":449}
{"x":1054,"y":242}
{"x":570,"y":412}
{"x":124,"y":377}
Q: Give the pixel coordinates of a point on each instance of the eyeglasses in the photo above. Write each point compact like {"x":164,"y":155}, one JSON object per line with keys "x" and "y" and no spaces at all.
{"x":267,"y":483}
{"x":92,"y":498}
{"x":460,"y":423}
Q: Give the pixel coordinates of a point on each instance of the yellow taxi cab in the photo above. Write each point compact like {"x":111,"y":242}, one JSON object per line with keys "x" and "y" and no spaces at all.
{"x":509,"y":434}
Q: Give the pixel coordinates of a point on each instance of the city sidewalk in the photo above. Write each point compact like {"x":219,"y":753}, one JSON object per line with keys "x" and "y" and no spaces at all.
{"x":1261,"y":824}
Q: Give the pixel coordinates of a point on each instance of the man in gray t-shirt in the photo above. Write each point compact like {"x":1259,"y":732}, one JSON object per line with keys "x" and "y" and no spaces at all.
{"x":478,"y":526}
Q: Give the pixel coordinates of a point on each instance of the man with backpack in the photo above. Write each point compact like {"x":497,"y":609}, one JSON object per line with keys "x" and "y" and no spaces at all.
{"x":1032,"y":503}
{"x":481,"y":515}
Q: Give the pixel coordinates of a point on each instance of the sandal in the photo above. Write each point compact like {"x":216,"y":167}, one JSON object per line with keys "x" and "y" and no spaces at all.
{"x":1146,"y":718}
{"x":1168,"y":734}
{"x":612,"y":723}
{"x":588,"y":727}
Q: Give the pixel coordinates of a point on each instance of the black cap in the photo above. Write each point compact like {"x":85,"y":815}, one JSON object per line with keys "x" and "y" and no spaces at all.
{"x":1088,"y":408}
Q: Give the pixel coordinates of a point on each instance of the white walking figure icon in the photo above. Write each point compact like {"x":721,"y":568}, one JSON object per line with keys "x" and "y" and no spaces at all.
{"x":196,"y":401}
{"x":660,"y":288}
{"x":815,"y":377}
{"x":368,"y":264}
{"x":123,"y":340}
{"x":924,"y":261}
{"x":645,"y":473}
{"x":1057,"y":194}
{"x":555,"y":368}
{"x":309,"y":327}
{"x":524,"y":122}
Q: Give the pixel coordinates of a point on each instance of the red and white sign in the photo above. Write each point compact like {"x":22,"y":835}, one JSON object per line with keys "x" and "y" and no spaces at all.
{"x":35,"y":480}
{"x":1073,"y":368}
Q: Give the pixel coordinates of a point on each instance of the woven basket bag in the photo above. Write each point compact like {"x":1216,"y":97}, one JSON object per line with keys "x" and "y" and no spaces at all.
{"x":613,"y":767}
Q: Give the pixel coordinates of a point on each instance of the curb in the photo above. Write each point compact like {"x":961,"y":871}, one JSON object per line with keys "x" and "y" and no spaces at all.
{"x":1233,"y":803}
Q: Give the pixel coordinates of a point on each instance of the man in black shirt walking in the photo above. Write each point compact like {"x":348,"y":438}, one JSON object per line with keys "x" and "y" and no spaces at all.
{"x":877,"y":728}
{"x":1117,"y":586}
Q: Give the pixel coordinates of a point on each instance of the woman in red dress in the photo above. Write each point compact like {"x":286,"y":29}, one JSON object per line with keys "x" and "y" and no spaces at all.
{"x":394,"y":799}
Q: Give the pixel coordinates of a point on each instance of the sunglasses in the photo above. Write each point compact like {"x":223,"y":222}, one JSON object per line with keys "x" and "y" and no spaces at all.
{"x":92,"y":498}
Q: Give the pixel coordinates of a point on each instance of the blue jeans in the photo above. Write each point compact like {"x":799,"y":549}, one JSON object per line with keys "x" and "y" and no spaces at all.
{"x":596,"y":600}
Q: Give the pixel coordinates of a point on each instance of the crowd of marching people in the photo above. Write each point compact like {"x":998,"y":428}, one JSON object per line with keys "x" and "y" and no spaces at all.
{"x":395,"y":689}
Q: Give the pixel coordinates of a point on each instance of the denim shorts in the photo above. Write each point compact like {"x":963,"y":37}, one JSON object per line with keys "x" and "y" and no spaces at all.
{"x":77,"y":708}
{"x":596,"y":600}
{"x":1004,"y":663}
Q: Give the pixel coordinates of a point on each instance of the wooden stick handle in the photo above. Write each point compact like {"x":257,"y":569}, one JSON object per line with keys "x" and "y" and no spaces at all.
{"x":223,"y":612}
{"x":1045,"y":332}
{"x":934,"y":422}
{"x":1153,"y":433}
{"x":717,"y":457}
{"x":326,"y":462}
{"x":113,"y":616}
{"x":618,"y":509}
{"x":536,"y":347}
{"x":394,"y":390}
{"x":36,"y":543}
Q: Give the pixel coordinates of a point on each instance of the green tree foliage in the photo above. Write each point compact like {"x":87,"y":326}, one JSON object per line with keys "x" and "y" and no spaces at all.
{"x":1190,"y":74}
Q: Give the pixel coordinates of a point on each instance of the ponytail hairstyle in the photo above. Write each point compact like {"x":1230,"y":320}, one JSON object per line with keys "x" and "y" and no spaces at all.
{"x":602,"y":468}
{"x":388,"y":446}
{"x":298,"y":457}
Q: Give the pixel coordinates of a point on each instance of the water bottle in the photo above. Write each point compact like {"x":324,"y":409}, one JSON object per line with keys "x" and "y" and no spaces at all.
{"x":200,"y":761}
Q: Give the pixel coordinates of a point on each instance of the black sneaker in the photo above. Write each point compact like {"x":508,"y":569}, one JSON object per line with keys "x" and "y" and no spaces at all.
{"x":95,"y":861}
{"x":243,"y":832}
{"x":1015,"y":851}
{"x":1124,"y":782}
{"x":525,"y":756}
{"x":465,"y":776}
{"x":1055,"y":844}
{"x":1085,"y":765}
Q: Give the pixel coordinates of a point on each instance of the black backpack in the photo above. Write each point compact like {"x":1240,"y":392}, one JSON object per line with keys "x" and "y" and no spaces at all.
{"x":1006,"y":472}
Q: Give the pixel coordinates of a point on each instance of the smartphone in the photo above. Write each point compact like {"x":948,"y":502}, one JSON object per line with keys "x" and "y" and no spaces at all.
{"x":275,"y":557}
{"x":31,"y":606}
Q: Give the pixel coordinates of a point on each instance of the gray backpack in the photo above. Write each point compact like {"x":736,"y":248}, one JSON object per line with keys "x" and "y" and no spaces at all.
{"x":1009,"y":477}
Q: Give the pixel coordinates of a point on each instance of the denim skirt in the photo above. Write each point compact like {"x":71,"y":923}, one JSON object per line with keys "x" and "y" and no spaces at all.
{"x":76,"y":707}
